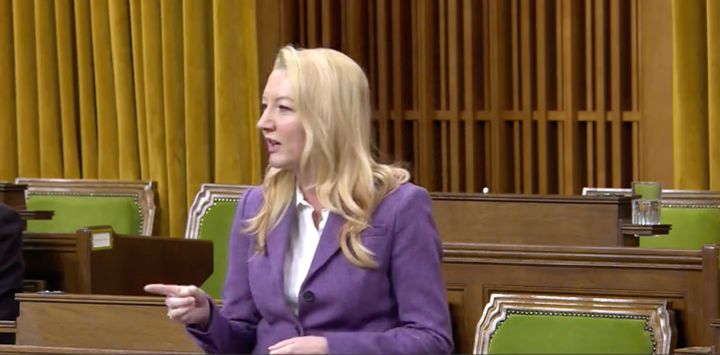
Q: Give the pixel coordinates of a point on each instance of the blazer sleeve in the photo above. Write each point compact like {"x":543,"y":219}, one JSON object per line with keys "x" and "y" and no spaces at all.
{"x":12,"y":266}
{"x":231,"y":328}
{"x":418,"y":286}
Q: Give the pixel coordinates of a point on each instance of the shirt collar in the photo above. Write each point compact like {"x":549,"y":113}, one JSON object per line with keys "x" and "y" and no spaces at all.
{"x":300,"y":198}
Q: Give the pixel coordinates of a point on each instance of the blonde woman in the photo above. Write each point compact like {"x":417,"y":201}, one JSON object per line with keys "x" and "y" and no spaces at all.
{"x":334,"y":253}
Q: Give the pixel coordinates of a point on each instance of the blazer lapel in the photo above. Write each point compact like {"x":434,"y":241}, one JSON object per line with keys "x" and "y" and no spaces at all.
{"x":328,"y":244}
{"x":277,"y":241}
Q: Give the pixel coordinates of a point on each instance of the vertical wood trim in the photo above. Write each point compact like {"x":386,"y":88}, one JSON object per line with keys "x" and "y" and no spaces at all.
{"x":528,"y":138}
{"x":572,"y":180}
{"x":500,"y":181}
{"x":425,"y":34}
{"x":469,"y":100}
{"x":311,"y":14}
{"x":445,"y":173}
{"x":600,"y":94}
{"x":398,"y":114}
{"x":541,"y":51}
{"x":453,"y":76}
{"x":383,"y":73}
{"x":615,"y":72}
{"x":326,"y":22}
{"x":634,"y":57}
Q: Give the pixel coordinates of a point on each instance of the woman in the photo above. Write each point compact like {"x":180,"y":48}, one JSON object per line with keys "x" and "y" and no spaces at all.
{"x":334,"y":253}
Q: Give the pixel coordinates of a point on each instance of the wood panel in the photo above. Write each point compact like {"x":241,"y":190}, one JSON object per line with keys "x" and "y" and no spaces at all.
{"x":521,"y":96}
{"x":100,"y":322}
{"x":536,"y":219}
{"x":687,"y":279}
{"x":117,"y":265}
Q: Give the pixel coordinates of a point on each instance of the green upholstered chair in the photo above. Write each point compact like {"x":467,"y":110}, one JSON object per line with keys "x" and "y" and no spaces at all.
{"x":694,"y":216}
{"x":550,"y":324}
{"x":210,"y":217}
{"x":127,"y":206}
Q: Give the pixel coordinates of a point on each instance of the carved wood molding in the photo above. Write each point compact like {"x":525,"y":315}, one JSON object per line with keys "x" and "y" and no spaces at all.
{"x":496,"y":311}
{"x":467,"y":253}
{"x":95,"y":299}
{"x":489,"y":289}
{"x":529,"y":198}
{"x":8,"y":326}
{"x":670,"y":197}
{"x":47,"y":241}
{"x":205,"y":199}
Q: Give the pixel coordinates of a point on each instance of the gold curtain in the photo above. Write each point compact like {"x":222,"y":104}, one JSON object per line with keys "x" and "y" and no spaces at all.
{"x":696,"y":94}
{"x":164,"y":90}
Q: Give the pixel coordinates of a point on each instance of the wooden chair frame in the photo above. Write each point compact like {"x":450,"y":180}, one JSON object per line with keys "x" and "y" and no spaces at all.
{"x":142,"y":190}
{"x":205,"y":199}
{"x":658,"y":319}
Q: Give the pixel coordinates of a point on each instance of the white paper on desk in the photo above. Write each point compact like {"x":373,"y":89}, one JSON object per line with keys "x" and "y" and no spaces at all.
{"x":101,"y":240}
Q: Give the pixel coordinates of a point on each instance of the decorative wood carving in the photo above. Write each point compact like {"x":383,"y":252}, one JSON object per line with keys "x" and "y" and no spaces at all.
{"x":496,"y":311}
{"x":205,"y":199}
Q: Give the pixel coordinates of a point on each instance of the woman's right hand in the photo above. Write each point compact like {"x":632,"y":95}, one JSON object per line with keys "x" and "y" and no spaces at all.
{"x":186,"y":304}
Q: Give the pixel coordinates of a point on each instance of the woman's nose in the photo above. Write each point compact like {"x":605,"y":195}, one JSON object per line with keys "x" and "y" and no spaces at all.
{"x":264,"y":123}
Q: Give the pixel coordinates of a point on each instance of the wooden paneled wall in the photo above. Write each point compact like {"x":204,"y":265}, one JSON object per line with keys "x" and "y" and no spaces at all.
{"x":521,"y":96}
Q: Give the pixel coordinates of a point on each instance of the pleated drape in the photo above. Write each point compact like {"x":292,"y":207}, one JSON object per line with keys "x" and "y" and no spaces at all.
{"x":696,"y":94}
{"x":165,"y":90}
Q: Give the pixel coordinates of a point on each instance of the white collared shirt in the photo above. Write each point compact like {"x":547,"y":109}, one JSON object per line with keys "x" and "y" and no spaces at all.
{"x":304,"y":239}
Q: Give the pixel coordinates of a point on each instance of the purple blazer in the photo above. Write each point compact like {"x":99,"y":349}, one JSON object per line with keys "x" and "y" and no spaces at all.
{"x":398,"y":308}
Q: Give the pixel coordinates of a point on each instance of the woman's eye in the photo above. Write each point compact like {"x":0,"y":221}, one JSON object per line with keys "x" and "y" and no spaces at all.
{"x":285,"y":108}
{"x":263,"y":107}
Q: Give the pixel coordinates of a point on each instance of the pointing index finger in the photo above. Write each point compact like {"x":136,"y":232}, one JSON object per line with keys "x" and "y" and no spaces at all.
{"x":164,"y":290}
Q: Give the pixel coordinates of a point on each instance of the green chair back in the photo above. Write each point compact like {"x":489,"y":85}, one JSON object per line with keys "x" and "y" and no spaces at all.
{"x":210,"y":218}
{"x":541,"y":324}
{"x":127,"y":206}
{"x":692,"y":226}
{"x":694,"y":216}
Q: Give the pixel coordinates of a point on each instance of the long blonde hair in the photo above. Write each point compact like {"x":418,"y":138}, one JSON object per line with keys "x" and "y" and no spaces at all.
{"x":332,"y":95}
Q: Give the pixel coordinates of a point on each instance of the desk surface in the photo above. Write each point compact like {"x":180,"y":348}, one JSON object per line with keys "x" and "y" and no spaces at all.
{"x":29,"y":349}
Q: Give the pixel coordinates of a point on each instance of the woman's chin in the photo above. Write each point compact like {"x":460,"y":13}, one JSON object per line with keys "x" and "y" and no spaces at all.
{"x":277,"y":162}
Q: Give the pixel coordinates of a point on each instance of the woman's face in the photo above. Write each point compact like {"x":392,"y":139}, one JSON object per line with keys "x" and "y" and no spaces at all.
{"x":280,"y":123}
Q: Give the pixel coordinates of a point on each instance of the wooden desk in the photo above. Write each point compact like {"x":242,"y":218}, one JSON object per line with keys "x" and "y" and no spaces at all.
{"x":68,"y":261}
{"x":532,"y":219}
{"x":100,"y":322}
{"x":13,"y":195}
{"x":687,"y":279}
{"x":29,"y":349}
